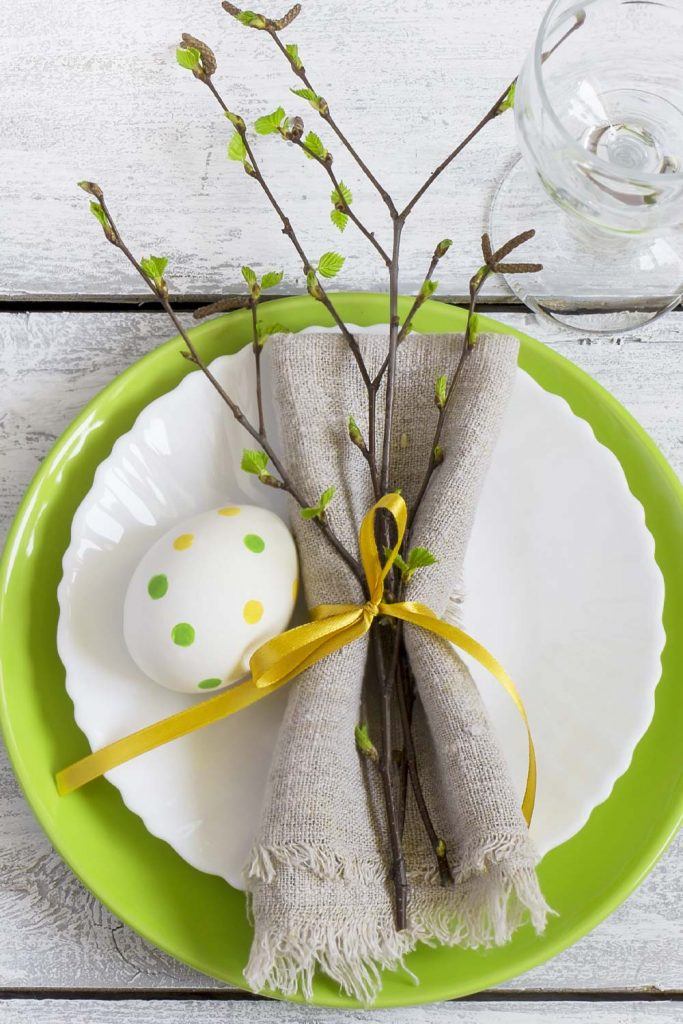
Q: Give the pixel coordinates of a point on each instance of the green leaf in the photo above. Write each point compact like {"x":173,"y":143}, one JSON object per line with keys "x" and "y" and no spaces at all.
{"x":420,"y":558}
{"x":270,"y":279}
{"x":330,"y":263}
{"x":364,"y":743}
{"x":251,"y":19}
{"x":308,"y":94}
{"x":341,"y":194}
{"x":254,"y":461}
{"x":98,"y":212}
{"x":339,"y":219}
{"x":478,"y":279}
{"x":270,"y":123}
{"x":154,"y":267}
{"x":313,"y":285}
{"x":474,"y":330}
{"x":293,"y":53}
{"x":399,"y":562}
{"x":188,"y":58}
{"x":249,"y":276}
{"x":509,"y":101}
{"x":355,"y":432}
{"x":236,"y":148}
{"x":440,"y":386}
{"x":313,"y":147}
{"x":235,"y":119}
{"x":326,"y":497}
{"x":428,"y":288}
{"x":264,"y":331}
{"x":318,"y":511}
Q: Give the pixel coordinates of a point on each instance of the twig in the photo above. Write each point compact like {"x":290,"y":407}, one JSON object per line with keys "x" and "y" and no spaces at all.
{"x":418,"y":300}
{"x":398,"y":864}
{"x":203,"y":65}
{"x":391,"y":357}
{"x":259,"y":436}
{"x":356,"y":437}
{"x":440,"y":251}
{"x":300,"y":72}
{"x":326,"y":163}
{"x":488,"y":116}
{"x":220,"y":306}
{"x":493,"y":264}
{"x":288,"y":230}
{"x":410,"y":761}
{"x":498,"y":108}
{"x":409,"y":697}
{"x":257,"y":347}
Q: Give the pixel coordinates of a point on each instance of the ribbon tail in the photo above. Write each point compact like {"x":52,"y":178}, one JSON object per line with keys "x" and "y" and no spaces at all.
{"x":172,"y":728}
{"x":419,"y":615}
{"x":273,"y":665}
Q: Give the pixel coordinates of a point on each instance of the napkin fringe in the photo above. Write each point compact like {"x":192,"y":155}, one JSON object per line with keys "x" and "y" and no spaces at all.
{"x":350,"y":951}
{"x":491,"y":898}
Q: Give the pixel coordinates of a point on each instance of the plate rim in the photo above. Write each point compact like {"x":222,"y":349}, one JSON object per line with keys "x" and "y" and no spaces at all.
{"x":364,"y":308}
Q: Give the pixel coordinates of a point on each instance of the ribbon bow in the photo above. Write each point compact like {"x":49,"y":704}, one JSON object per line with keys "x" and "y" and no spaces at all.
{"x":281,"y":659}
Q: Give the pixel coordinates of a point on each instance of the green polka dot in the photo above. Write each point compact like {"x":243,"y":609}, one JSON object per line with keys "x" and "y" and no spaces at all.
{"x":254,"y":543}
{"x":209,"y":684}
{"x":183,"y":634}
{"x":157,"y":586}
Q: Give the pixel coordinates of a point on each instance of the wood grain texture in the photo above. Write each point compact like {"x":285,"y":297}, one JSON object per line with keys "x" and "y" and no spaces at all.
{"x":61,"y":936}
{"x":50,"y":1011}
{"x":97,"y":94}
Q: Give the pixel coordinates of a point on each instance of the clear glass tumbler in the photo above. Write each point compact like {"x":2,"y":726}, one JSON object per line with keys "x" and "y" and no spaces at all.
{"x":599,"y":120}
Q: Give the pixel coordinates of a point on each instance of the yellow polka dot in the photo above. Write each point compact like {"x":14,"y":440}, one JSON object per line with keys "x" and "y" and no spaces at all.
{"x":295,"y":589}
{"x":183,"y":542}
{"x":229,"y":510}
{"x":252,"y":612}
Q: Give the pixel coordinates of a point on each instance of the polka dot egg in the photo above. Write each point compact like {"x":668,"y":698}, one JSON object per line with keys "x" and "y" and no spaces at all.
{"x":207,"y":594}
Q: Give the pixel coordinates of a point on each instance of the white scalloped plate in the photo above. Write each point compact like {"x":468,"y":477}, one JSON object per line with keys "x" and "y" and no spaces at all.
{"x":562,"y":587}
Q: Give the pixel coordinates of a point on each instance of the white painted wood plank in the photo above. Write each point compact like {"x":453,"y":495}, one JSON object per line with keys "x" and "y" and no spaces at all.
{"x":93,"y":91}
{"x":50,"y":365}
{"x":49,"y":1011}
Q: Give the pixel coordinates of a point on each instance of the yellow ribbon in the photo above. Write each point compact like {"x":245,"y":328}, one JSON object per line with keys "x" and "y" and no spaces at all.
{"x":281,"y":659}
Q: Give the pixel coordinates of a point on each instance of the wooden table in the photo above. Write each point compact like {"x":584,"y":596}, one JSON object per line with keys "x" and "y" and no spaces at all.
{"x":92,"y":90}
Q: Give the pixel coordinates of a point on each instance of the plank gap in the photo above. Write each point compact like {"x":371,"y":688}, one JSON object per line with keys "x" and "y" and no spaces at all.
{"x":187,"y":302}
{"x":649,"y":995}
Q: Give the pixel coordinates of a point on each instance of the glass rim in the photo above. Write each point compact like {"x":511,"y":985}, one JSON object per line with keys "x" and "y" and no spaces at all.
{"x":586,"y":157}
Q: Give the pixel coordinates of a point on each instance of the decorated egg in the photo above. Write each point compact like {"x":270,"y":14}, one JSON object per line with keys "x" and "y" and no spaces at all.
{"x":207,"y":594}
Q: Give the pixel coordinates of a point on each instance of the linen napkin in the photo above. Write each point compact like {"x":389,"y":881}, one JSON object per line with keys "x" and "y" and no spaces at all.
{"x":318,"y":875}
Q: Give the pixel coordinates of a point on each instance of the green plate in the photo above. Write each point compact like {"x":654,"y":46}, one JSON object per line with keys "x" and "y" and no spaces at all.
{"x":198,"y":918}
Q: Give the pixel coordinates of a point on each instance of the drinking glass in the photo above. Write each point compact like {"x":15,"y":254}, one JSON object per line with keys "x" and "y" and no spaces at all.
{"x":599,"y":120}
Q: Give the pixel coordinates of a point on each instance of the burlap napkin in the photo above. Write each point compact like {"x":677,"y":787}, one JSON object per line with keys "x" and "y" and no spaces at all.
{"x":318,"y":873}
